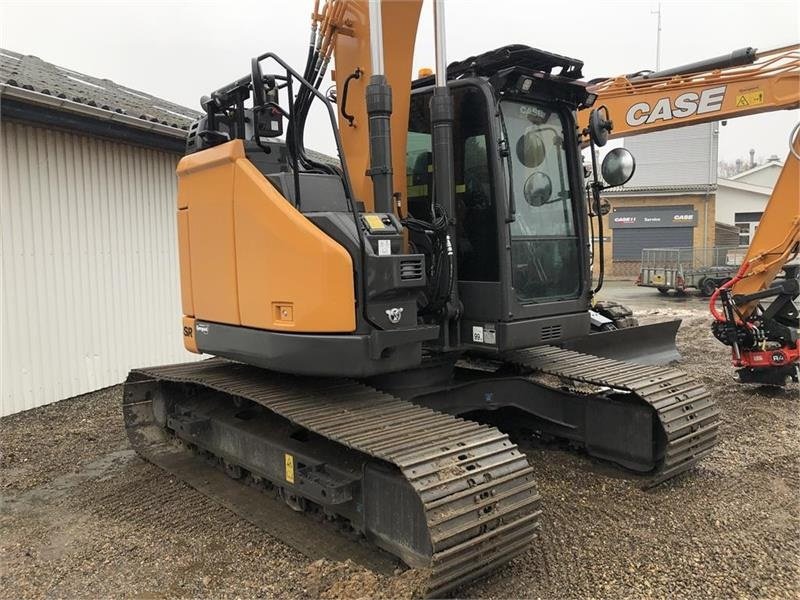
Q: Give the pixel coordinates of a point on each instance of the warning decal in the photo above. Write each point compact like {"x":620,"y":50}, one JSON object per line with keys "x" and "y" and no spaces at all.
{"x":753,"y":98}
{"x":288,"y":461}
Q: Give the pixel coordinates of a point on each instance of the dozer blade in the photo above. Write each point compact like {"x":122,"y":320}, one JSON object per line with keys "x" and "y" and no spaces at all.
{"x":645,"y":344}
{"x":453,"y":498}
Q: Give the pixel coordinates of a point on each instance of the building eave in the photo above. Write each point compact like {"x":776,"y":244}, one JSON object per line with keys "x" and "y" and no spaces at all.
{"x":69,"y":106}
{"x":745,"y":187}
{"x":57,"y":113}
{"x":771,"y":163}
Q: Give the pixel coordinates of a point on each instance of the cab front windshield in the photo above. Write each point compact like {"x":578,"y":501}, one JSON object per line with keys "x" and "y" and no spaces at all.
{"x":544,"y":242}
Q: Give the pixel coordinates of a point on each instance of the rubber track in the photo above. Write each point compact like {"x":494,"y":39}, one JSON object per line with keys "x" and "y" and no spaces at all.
{"x":688,"y":415}
{"x":480,"y":499}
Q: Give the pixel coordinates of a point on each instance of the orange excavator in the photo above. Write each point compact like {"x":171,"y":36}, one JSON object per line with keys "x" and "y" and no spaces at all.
{"x":764,"y":339}
{"x":380,"y":323}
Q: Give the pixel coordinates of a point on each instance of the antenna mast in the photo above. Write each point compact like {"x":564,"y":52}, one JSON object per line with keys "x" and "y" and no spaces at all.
{"x":658,"y":37}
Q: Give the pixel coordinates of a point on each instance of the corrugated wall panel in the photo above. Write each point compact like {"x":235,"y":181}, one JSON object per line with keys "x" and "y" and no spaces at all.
{"x":88,"y":264}
{"x":682,"y":156}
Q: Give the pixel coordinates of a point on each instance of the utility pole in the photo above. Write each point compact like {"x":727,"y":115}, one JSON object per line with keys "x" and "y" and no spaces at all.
{"x":658,"y":37}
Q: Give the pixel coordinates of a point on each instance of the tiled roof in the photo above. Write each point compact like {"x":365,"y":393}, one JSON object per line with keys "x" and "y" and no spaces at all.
{"x":32,"y":73}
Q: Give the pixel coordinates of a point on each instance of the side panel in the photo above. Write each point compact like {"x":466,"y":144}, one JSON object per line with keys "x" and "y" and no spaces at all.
{"x":184,"y":258}
{"x":205,"y":188}
{"x":249,"y":258}
{"x":291,"y":275}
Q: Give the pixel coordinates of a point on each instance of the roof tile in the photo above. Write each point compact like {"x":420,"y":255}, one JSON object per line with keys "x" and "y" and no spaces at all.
{"x":32,"y":73}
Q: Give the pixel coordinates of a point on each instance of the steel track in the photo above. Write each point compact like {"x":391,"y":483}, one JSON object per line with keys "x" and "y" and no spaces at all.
{"x":687,"y":415}
{"x":477,"y":492}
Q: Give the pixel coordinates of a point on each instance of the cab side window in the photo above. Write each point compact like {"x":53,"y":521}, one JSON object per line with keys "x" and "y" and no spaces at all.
{"x":476,"y":211}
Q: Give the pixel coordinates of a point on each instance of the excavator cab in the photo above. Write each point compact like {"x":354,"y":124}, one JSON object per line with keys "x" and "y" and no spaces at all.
{"x":520,"y":196}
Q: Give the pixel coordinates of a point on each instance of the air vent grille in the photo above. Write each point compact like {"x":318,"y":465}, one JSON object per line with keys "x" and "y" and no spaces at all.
{"x":411,"y":269}
{"x":551,"y":332}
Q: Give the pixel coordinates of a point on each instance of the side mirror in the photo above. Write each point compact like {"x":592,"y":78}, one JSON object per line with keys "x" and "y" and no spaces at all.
{"x":618,"y":167}
{"x":538,"y":189}
{"x":599,"y":126}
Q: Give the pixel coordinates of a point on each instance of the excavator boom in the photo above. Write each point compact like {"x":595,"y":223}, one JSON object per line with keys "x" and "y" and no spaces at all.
{"x":688,"y":96}
{"x":764,"y":341}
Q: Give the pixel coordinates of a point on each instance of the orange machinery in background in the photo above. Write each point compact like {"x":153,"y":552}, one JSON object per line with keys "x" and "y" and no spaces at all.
{"x":746,"y":82}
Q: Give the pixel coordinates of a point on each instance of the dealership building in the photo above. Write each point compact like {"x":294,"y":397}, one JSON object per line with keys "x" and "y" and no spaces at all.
{"x":670,"y":202}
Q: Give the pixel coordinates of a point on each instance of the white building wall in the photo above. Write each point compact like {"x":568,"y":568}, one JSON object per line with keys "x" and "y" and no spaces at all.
{"x":731,"y":201}
{"x":681,"y":156}
{"x":89,"y":264}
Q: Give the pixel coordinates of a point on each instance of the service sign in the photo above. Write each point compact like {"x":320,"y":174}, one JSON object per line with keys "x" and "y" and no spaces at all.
{"x":675,"y":216}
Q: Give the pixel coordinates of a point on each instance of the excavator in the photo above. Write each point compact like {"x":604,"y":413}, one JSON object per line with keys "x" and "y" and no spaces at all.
{"x":764,"y":339}
{"x":381,"y":323}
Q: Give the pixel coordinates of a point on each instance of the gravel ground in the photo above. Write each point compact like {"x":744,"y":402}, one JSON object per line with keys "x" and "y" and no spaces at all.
{"x":84,"y":517}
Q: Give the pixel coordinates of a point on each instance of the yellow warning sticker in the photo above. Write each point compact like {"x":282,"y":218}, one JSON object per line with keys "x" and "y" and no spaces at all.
{"x":753,"y":98}
{"x":415,"y":191}
{"x":288,"y":461}
{"x":374,"y":222}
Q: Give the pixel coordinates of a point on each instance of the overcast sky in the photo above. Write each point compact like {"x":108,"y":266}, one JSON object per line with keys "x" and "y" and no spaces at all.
{"x":181,"y":50}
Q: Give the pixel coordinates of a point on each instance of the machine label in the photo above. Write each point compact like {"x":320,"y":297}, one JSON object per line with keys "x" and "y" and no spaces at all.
{"x":394,"y":314}
{"x":374,"y":222}
{"x":751,"y":98}
{"x":202,"y":328}
{"x":686,"y":105}
{"x":288,"y":461}
{"x":489,"y":334}
{"x":384,"y":247}
{"x":477,"y":334}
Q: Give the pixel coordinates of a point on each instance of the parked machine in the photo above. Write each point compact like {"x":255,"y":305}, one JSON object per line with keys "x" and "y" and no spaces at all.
{"x":371,"y":318}
{"x":764,"y":339}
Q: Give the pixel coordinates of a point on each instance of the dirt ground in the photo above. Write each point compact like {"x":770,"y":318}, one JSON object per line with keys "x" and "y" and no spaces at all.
{"x":83,"y":517}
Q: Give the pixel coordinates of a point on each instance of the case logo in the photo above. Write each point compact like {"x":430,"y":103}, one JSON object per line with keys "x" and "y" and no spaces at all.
{"x":686,"y":105}
{"x":394,"y":314}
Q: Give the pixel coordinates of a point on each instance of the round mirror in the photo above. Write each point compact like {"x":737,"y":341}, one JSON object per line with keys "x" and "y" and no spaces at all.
{"x":618,"y":167}
{"x":599,"y":125}
{"x":530,"y":149}
{"x":538,"y":189}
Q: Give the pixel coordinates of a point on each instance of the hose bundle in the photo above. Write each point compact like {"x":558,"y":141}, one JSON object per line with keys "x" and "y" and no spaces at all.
{"x":431,"y":239}
{"x":325,"y":26}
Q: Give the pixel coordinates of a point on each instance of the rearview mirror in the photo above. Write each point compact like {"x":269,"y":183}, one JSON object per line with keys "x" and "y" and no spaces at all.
{"x":618,"y":167}
{"x":600,"y":126}
{"x":538,"y":189}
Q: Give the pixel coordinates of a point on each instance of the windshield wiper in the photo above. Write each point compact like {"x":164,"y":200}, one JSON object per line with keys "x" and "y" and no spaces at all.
{"x":505,"y":152}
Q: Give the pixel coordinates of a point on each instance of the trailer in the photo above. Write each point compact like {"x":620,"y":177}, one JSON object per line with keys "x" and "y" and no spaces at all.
{"x":679,"y":269}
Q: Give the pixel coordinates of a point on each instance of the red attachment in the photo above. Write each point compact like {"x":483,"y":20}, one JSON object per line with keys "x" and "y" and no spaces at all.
{"x":712,"y":302}
{"x":779,"y":357}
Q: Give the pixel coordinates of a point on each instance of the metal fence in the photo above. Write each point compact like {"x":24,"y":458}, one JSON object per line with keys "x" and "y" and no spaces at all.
{"x":690,"y":259}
